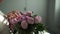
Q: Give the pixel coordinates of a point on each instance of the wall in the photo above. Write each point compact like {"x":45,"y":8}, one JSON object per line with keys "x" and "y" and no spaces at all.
{"x":57,"y":16}
{"x":50,"y":16}
{"x":9,"y":5}
{"x":53,"y":15}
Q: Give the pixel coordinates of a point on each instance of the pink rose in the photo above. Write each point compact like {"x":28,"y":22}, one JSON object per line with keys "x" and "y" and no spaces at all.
{"x":30,"y":20}
{"x":28,"y":13}
{"x":38,"y":19}
{"x":11,"y":24}
{"x":11,"y":21}
{"x":19,"y":18}
{"x":15,"y":19}
{"x":23,"y":17}
{"x":24,"y":24}
{"x":17,"y":12}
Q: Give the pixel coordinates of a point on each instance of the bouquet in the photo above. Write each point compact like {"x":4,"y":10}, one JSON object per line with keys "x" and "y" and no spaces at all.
{"x":25,"y":23}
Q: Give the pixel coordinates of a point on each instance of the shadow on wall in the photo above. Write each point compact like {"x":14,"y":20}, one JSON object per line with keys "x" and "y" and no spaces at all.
{"x":58,"y":22}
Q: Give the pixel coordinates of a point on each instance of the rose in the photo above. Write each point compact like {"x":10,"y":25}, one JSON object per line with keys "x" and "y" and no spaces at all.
{"x":28,"y":13}
{"x":24,"y":24}
{"x":17,"y":13}
{"x":38,"y":19}
{"x":13,"y":17}
{"x":11,"y":24}
{"x":30,"y":20}
{"x":19,"y":18}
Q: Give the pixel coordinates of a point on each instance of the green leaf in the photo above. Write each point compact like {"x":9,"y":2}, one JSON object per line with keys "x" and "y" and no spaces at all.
{"x":39,"y":27}
{"x":34,"y":16}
